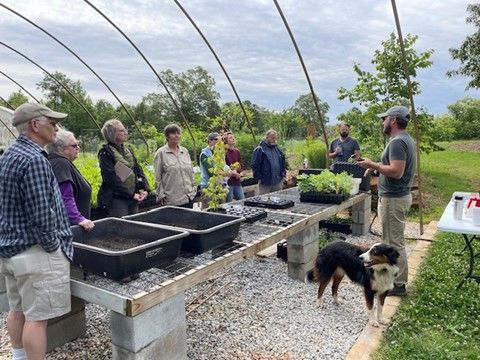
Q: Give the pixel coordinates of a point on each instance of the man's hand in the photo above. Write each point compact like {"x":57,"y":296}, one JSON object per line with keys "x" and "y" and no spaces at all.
{"x":140,"y":196}
{"x":367,"y":164}
{"x":162,"y":201}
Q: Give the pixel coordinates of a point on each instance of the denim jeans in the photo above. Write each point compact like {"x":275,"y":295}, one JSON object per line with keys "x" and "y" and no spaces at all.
{"x":235,"y":193}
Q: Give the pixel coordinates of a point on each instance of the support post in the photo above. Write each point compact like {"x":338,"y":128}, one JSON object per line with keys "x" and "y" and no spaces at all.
{"x":157,"y":333}
{"x":302,"y":249}
{"x":361,"y":213}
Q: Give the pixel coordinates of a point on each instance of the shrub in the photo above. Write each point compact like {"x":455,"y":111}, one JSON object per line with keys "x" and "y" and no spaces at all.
{"x":246,"y":146}
{"x":315,"y":153}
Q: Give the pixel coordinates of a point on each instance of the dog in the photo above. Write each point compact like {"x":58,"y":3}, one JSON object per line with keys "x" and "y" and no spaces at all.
{"x":375,"y":269}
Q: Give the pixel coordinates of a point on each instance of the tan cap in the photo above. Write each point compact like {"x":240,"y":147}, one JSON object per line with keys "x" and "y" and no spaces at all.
{"x":29,"y":111}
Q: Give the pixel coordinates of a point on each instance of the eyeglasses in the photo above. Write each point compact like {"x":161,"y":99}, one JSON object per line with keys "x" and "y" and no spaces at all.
{"x":122,"y":130}
{"x":75,"y":146}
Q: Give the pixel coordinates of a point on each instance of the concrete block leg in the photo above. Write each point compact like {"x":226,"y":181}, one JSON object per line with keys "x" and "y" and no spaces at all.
{"x":302,"y":249}
{"x":156,"y":334}
{"x":361,"y":214}
{"x":68,"y":327}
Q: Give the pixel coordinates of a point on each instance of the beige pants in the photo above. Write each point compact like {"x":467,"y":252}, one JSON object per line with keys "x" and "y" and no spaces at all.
{"x":37,"y":283}
{"x":393,"y":215}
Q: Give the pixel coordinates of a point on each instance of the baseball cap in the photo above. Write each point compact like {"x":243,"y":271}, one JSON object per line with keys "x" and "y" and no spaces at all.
{"x":397,"y":111}
{"x":29,"y":111}
{"x":213,"y":136}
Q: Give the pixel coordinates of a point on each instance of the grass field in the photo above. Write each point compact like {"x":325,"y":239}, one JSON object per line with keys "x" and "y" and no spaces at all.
{"x":457,"y":168}
{"x":438,"y":321}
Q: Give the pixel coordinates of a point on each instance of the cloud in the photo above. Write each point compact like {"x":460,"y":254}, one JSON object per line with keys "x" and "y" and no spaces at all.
{"x":248,"y":36}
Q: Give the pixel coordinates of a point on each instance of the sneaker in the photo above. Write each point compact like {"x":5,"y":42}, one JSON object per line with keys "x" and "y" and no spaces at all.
{"x":398,"y":290}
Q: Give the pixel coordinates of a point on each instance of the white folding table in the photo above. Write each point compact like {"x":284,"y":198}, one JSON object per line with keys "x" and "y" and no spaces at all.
{"x":469,"y":232}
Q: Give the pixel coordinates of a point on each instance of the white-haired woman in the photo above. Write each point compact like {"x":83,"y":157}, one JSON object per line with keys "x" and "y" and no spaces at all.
{"x":76,"y":191}
{"x":124,"y":184}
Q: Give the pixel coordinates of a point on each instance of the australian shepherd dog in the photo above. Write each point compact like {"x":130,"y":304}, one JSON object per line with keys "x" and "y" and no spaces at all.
{"x":375,"y":269}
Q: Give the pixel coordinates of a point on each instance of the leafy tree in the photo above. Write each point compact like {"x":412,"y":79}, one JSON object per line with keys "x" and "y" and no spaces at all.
{"x":288,"y":124}
{"x":194,"y":91}
{"x":232,"y":117}
{"x":17,"y":98}
{"x":305,"y":107}
{"x":389,"y":83}
{"x":466,"y":118}
{"x":469,"y":52}
{"x":384,"y":88}
{"x":58,"y":99}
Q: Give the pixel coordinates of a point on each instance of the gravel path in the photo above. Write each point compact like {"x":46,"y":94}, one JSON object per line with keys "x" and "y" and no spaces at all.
{"x":256,"y":312}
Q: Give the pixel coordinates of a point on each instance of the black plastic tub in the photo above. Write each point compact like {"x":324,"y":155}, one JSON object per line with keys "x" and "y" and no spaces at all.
{"x":207,"y":230}
{"x":118,"y":248}
{"x":322,"y":198}
{"x":249,"y":181}
{"x":310,"y":171}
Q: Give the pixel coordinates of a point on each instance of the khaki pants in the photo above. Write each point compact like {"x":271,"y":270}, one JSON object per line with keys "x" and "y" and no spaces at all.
{"x":393,"y":215}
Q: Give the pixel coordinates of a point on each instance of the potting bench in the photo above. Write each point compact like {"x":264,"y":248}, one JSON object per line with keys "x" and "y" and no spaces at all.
{"x":148,"y":317}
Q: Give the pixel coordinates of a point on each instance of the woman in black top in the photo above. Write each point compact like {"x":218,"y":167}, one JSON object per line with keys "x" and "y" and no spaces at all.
{"x":124,"y":184}
{"x":76,"y":191}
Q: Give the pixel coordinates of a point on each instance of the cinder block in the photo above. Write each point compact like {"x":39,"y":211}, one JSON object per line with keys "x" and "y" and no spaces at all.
{"x":135,"y":333}
{"x":171,"y":346}
{"x":365,"y":204}
{"x":68,"y":327}
{"x":302,"y":253}
{"x":299,"y":271}
{"x":305,"y":236}
{"x":359,"y":229}
{"x":361,"y":217}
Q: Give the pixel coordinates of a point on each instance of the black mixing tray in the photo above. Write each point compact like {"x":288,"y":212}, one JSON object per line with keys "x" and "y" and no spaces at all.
{"x":272,"y":202}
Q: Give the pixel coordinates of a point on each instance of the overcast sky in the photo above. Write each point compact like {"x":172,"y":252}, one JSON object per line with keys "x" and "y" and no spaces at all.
{"x":248,"y":36}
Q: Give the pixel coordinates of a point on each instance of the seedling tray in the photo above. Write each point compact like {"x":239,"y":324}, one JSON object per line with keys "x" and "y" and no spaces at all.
{"x":249,"y":182}
{"x":118,"y":248}
{"x":207,"y":230}
{"x":335,"y":227}
{"x":355,"y":170}
{"x":322,"y":198}
{"x":250,"y":214}
{"x":271,"y":202}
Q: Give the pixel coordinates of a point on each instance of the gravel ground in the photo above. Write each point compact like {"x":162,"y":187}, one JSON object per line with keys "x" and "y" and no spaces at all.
{"x":250,"y":311}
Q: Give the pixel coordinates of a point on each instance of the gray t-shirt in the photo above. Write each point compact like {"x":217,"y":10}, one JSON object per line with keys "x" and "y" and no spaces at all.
{"x":401,"y":147}
{"x":348,"y":148}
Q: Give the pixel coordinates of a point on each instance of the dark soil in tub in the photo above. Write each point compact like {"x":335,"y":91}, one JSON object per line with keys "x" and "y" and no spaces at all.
{"x":114,"y":242}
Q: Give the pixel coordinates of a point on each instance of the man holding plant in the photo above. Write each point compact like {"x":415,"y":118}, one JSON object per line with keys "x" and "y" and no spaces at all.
{"x":396,"y":170}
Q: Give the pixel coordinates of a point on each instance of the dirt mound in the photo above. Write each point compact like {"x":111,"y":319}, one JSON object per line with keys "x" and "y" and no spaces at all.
{"x":471,"y":146}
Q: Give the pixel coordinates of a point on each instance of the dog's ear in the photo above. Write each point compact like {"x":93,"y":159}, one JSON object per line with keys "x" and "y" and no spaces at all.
{"x":393,"y":255}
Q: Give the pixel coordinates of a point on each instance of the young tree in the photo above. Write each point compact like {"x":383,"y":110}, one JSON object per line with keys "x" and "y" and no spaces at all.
{"x":384,"y":88}
{"x":466,"y":118}
{"x":469,"y":52}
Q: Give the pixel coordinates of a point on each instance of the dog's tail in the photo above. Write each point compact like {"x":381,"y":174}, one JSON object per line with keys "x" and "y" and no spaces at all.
{"x":313,"y":275}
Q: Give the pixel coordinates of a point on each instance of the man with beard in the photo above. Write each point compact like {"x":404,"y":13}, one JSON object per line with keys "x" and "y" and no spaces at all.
{"x":394,"y":197}
{"x":342,"y":148}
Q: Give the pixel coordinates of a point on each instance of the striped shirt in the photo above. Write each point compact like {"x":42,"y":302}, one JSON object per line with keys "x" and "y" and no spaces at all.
{"x":31,"y":207}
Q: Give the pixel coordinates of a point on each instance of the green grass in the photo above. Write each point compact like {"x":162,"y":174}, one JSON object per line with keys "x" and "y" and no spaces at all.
{"x":444,"y":172}
{"x":437,"y":321}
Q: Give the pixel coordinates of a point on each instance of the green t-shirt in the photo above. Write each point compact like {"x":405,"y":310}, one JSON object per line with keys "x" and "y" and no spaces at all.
{"x":401,"y":147}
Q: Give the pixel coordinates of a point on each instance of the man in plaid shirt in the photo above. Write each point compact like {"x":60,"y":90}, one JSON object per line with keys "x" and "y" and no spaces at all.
{"x":35,"y":236}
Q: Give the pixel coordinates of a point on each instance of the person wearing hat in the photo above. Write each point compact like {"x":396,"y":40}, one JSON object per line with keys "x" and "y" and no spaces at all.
{"x":268,"y":164}
{"x":35,"y":236}
{"x":205,"y":154}
{"x":396,"y":170}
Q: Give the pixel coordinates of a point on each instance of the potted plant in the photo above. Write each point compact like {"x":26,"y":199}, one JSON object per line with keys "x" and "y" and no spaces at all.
{"x":216,"y":189}
{"x":325,"y":187}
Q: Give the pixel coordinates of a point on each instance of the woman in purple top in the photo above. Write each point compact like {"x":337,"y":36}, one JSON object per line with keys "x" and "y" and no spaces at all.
{"x":76,"y":191}
{"x":232,"y":156}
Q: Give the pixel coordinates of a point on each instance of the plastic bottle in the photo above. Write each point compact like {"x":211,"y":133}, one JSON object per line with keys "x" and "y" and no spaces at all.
{"x":305,"y":163}
{"x":476,"y":213}
{"x":458,"y":207}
